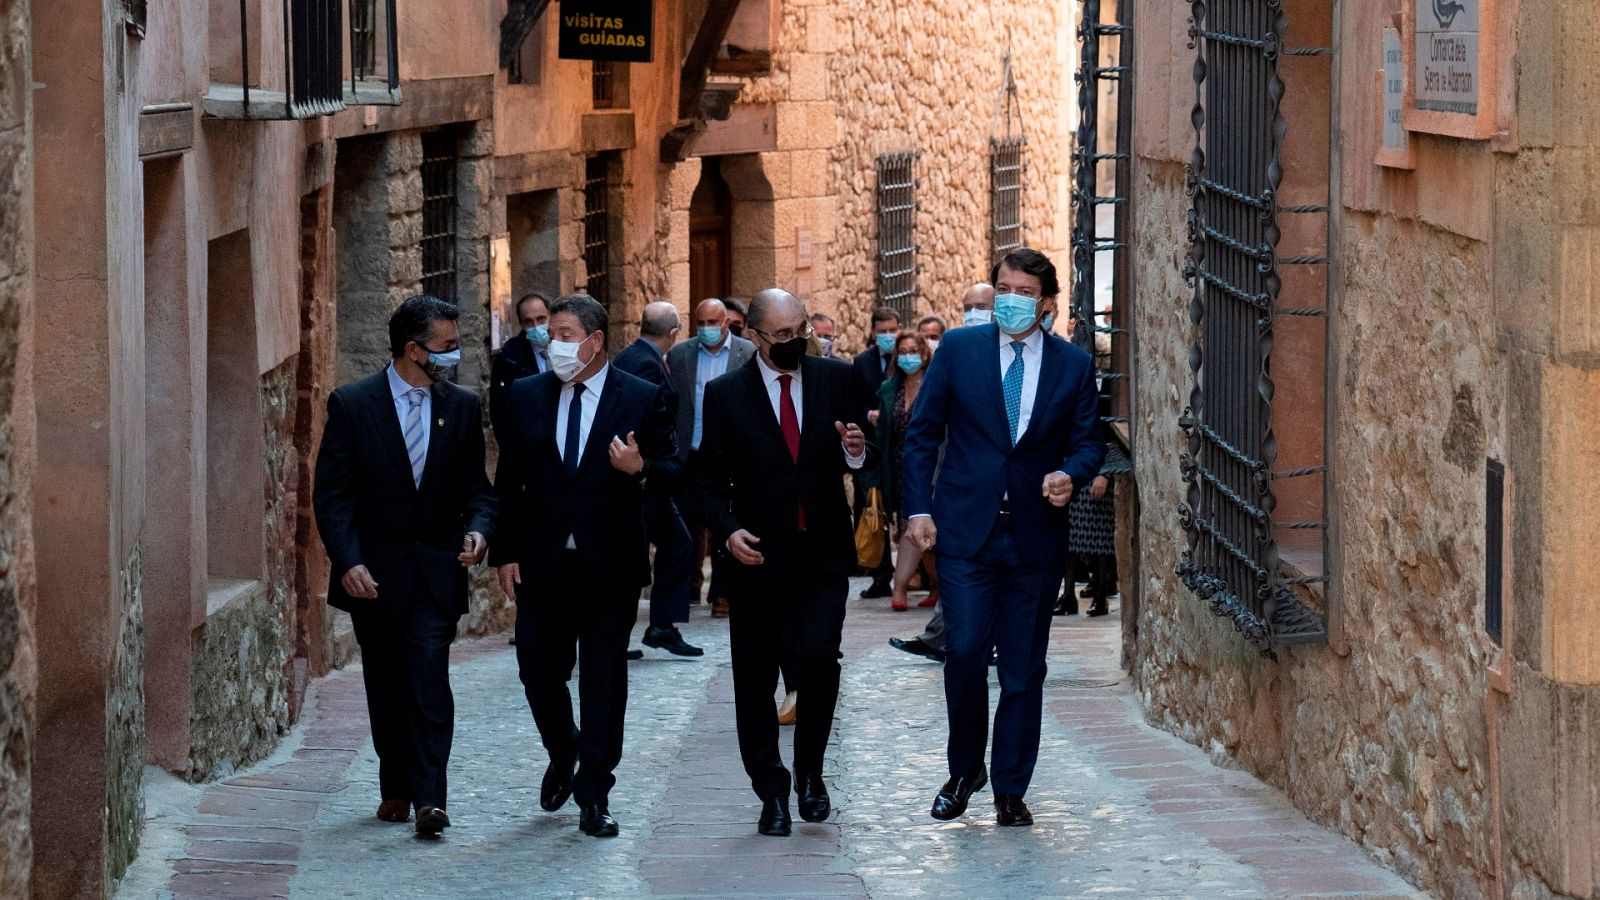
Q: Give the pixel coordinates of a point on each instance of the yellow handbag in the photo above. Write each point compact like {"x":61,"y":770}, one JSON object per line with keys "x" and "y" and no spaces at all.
{"x":870,"y":531}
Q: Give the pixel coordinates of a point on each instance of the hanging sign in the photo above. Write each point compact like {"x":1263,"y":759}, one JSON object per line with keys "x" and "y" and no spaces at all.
{"x":606,"y":30}
{"x":1447,"y":66}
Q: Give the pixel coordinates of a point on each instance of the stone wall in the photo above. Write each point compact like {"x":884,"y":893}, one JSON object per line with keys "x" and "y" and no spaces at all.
{"x":856,"y":80}
{"x":17,"y":672}
{"x":125,"y":737}
{"x":377,"y":212}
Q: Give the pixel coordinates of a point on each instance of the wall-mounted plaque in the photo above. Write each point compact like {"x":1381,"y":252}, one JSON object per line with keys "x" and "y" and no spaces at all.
{"x":606,"y":30}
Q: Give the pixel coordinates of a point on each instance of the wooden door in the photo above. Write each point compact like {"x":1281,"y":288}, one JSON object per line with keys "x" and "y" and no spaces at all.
{"x":710,"y":236}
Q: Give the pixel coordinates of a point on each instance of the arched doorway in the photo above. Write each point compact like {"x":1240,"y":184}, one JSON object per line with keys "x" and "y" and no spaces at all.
{"x":710,"y":235}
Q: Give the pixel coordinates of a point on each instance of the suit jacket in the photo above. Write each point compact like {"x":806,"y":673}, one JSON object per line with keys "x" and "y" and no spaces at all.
{"x":642,"y":360}
{"x":602,"y":509}
{"x":961,"y":406}
{"x":870,"y":375}
{"x":371,"y":513}
{"x":747,"y":479}
{"x":684,"y":358}
{"x":518,"y":358}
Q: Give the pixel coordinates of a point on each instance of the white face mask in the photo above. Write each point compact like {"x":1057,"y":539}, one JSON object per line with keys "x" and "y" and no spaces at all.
{"x":564,"y":359}
{"x":977,"y":317}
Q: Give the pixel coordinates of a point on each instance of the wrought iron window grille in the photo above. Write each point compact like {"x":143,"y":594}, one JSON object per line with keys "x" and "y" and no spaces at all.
{"x":439,"y":215}
{"x":1100,"y":311}
{"x":374,"y":78}
{"x":1231,"y":462}
{"x":897,"y":228}
{"x":313,"y":66}
{"x":1007,"y":141}
{"x":597,"y":227}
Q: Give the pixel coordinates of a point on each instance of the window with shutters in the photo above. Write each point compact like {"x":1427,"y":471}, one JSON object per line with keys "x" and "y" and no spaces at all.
{"x":1257,"y":266}
{"x":897,"y":232}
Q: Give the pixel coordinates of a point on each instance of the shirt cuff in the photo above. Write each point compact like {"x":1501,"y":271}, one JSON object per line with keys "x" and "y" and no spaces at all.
{"x":857,"y":461}
{"x":919,"y":516}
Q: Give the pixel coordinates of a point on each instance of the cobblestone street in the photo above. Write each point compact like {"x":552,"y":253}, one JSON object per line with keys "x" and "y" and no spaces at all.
{"x":1121,"y":808}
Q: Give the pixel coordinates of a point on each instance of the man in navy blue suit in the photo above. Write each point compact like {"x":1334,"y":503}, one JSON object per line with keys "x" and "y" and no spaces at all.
{"x":1016,"y":409}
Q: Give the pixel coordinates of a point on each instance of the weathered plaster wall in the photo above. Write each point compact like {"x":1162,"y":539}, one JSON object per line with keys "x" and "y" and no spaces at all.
{"x":17,"y":665}
{"x":855,"y":80}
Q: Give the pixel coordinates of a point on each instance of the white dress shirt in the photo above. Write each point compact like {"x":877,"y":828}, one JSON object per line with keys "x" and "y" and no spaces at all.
{"x":588,"y":404}
{"x":769,"y":377}
{"x":708,"y":364}
{"x":398,"y":388}
{"x":1032,"y":359}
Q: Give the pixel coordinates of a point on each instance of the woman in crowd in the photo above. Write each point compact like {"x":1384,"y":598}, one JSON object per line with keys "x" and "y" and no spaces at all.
{"x":896,"y":398}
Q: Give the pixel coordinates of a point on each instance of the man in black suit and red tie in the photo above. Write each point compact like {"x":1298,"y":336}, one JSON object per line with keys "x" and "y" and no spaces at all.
{"x":582,"y":446}
{"x":780,"y":432}
{"x":404,"y":507}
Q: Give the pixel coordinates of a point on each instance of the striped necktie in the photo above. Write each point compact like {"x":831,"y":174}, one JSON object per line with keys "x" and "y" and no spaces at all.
{"x":414,"y":447}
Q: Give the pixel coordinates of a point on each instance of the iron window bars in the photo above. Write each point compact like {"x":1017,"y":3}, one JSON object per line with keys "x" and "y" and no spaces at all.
{"x":1095,"y":82}
{"x":1230,"y":462}
{"x":897,"y":228}
{"x":439,"y":215}
{"x":313,"y":65}
{"x":597,"y":228}
{"x":374,"y":54}
{"x":1005,"y":195}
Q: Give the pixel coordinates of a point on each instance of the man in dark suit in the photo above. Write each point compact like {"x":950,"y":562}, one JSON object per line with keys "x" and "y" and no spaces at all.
{"x":583,"y":444}
{"x":693,"y":364}
{"x":522,"y":355}
{"x":669,"y":590}
{"x":872,"y":366}
{"x":780,"y":432}
{"x":404,"y":507}
{"x":1015,"y":408}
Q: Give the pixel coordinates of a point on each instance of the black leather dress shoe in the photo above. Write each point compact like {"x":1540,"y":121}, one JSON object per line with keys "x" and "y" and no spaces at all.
{"x":431,"y":820}
{"x":953,"y":797}
{"x":877,"y":590}
{"x":670,"y":639}
{"x":919,"y":647}
{"x":595,"y":821}
{"x":1098,"y":607}
{"x":557,"y":784}
{"x":1066,"y":606}
{"x":1011,"y":811}
{"x":774,"y":818}
{"x":813,"y":798}
{"x":635,"y":655}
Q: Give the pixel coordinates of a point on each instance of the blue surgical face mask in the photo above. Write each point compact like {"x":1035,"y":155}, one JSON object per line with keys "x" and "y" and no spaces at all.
{"x":539,"y":335}
{"x":977,"y":317}
{"x":909,"y":363}
{"x":1015,"y":313}
{"x":886,"y":341}
{"x":439,"y":363}
{"x":710,"y":335}
{"x":1048,"y":322}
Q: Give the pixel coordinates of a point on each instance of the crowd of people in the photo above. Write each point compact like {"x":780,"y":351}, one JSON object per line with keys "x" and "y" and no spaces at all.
{"x":748,"y":440}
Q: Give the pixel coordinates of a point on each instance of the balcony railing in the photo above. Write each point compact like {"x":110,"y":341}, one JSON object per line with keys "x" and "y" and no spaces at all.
{"x":285,"y":59}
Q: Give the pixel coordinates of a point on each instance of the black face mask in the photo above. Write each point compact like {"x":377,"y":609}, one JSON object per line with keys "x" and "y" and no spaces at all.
{"x":736,"y":330}
{"x":788,"y":354}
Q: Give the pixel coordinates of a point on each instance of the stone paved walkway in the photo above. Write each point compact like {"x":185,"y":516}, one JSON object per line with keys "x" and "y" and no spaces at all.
{"x":1121,"y":808}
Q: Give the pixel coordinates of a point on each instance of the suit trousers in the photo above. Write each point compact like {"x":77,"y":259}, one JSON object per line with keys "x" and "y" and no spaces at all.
{"x":801,"y":621}
{"x":688,"y":504}
{"x":563,"y":621}
{"x":405,"y":665}
{"x":674,"y":560}
{"x":996,"y":601}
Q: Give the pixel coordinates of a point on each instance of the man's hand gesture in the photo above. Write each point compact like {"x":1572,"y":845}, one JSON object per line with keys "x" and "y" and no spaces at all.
{"x":358,"y":583}
{"x":625,"y":457}
{"x":1058,"y":488}
{"x":922,"y":532}
{"x":853,"y":438}
{"x":742,"y":544}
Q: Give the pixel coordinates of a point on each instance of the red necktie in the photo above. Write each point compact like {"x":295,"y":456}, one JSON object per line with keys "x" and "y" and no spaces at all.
{"x":789,"y":421}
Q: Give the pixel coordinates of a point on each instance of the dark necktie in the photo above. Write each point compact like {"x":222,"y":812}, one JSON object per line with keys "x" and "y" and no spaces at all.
{"x":569,"y":457}
{"x":789,"y":421}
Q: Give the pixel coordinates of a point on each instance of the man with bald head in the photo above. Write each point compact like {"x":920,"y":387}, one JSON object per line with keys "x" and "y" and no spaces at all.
{"x":780,"y":432}
{"x":708,"y":352}
{"x":977,"y":305}
{"x":670,"y":584}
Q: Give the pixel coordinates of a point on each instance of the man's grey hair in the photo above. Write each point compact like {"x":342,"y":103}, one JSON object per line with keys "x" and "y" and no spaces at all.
{"x":659,"y":318}
{"x":591,"y":313}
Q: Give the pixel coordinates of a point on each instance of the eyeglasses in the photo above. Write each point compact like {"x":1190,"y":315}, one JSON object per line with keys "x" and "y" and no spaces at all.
{"x":787,"y":334}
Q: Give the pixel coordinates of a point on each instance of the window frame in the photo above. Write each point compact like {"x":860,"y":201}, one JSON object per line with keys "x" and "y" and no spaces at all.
{"x":897,"y":250}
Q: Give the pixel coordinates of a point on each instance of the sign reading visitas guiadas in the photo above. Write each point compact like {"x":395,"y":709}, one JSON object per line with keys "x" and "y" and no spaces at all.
{"x":1446,"y":63}
{"x":606,"y":30}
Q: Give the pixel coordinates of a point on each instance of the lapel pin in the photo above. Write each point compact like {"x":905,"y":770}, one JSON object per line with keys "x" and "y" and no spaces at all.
{"x":441,"y":423}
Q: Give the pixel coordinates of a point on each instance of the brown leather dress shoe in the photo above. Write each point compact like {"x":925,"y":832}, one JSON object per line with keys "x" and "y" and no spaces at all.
{"x":719,"y":608}
{"x":395,"y":810}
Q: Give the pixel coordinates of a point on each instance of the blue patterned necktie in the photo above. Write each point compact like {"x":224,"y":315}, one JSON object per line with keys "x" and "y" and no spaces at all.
{"x":414,"y":448}
{"x":1011,"y":387}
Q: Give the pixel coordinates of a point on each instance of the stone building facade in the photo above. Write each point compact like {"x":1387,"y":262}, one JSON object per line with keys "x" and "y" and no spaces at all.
{"x":211,"y":253}
{"x":1447,"y":722}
